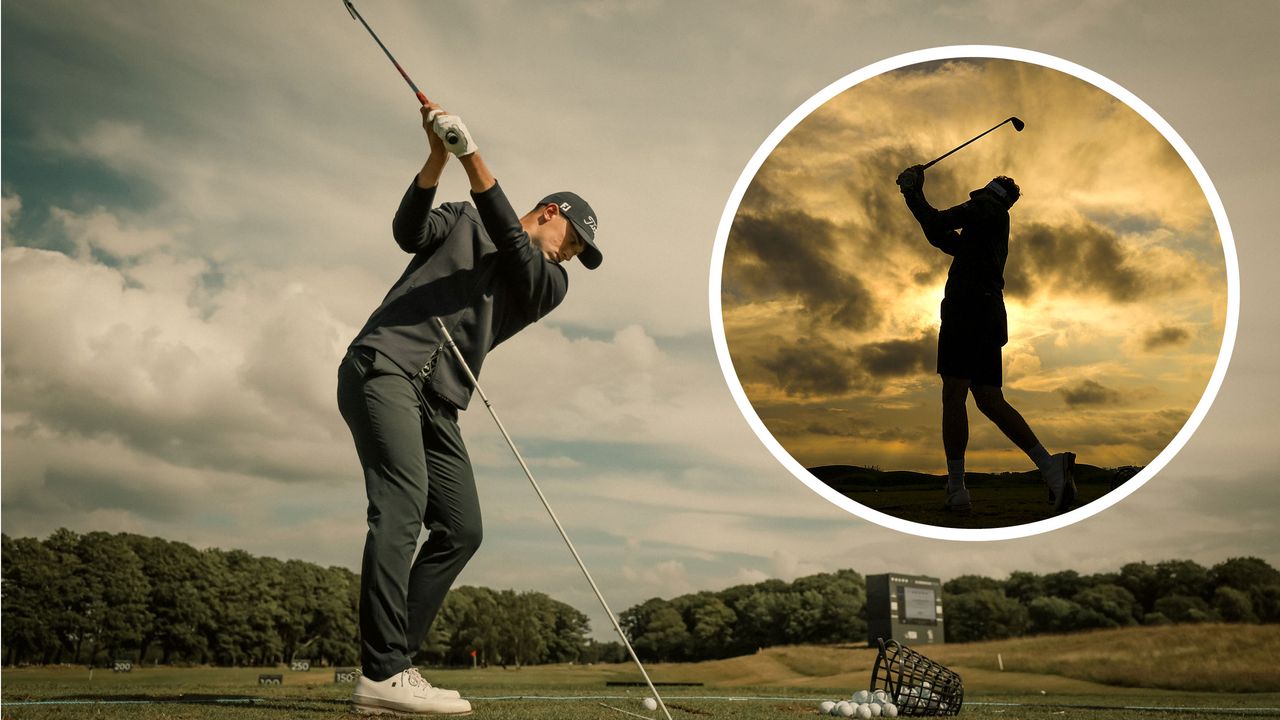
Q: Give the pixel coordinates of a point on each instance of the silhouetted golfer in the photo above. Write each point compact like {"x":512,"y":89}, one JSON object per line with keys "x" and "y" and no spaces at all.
{"x":975,"y":327}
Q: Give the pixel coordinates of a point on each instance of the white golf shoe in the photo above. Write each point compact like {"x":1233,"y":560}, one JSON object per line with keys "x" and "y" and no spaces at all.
{"x":1060,"y":476}
{"x":406,"y":693}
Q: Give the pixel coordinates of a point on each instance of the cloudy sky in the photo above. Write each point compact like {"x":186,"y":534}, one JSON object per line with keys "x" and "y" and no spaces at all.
{"x":1116,"y":284}
{"x":197,"y":200}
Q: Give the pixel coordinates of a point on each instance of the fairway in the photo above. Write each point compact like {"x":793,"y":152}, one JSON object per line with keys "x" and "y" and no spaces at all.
{"x":1044,"y":677}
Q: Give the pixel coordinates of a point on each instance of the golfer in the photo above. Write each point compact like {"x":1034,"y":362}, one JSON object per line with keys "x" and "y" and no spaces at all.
{"x":975,"y":328}
{"x":486,"y":273}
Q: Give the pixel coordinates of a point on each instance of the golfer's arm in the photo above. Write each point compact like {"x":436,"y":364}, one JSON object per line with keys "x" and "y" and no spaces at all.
{"x":477,"y":172}
{"x":432,"y":169}
{"x":939,"y":225}
{"x":539,"y":283}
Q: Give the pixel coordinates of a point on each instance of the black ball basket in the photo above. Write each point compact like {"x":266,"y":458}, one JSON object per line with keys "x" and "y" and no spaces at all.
{"x":917,"y":685}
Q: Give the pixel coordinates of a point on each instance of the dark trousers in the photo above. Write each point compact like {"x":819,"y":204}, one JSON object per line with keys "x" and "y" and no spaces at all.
{"x":416,"y":473}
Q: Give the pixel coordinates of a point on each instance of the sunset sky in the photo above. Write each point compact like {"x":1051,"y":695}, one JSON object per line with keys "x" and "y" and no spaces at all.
{"x":197,"y":200}
{"x":1115,"y":283}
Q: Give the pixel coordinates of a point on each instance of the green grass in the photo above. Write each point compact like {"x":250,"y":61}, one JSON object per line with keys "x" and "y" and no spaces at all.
{"x":1092,"y":675}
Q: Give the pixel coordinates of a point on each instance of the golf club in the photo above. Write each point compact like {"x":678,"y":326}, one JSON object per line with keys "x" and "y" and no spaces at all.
{"x":1018,"y":125}
{"x":457,"y":354}
{"x":452,"y":137}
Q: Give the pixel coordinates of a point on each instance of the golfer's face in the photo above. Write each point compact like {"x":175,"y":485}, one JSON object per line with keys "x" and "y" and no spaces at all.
{"x":558,"y":240}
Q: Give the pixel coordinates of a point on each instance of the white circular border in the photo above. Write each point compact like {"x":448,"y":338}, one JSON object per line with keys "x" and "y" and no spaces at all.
{"x":946,"y":53}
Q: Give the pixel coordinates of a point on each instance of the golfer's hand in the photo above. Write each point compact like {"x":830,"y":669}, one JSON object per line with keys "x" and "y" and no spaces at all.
{"x":911,"y":179}
{"x":437,"y":145}
{"x":450,"y":130}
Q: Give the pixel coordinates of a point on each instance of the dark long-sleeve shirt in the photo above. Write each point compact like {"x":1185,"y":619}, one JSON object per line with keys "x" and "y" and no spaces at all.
{"x":976,"y":234}
{"x":475,"y":269}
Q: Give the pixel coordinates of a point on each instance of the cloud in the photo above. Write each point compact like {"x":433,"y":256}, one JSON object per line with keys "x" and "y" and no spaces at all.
{"x":1166,"y":336}
{"x":899,"y":358}
{"x":1088,"y":392}
{"x":790,"y":253}
{"x":813,"y":367}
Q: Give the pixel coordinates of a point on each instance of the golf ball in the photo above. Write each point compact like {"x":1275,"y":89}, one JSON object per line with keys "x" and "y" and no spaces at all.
{"x":826,"y":706}
{"x":860,"y":697}
{"x":880,"y":697}
{"x":650,"y":704}
{"x":843,"y":709}
{"x":890,"y":710}
{"x":864,"y":711}
{"x":875,"y":709}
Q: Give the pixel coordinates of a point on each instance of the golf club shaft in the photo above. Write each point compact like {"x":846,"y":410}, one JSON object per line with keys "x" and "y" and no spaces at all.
{"x":452,"y":138}
{"x":457,"y":354}
{"x":937,"y":159}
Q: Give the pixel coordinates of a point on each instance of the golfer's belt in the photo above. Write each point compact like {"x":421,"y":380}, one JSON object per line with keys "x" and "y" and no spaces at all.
{"x":430,"y":366}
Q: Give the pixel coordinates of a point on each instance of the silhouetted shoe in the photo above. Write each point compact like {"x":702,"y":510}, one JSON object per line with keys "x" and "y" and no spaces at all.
{"x":1060,"y":476}
{"x":406,"y":693}
{"x":958,"y":502}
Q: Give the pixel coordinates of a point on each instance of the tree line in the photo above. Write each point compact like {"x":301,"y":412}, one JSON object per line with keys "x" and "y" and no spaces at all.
{"x":1238,"y":590}
{"x":99,"y":597}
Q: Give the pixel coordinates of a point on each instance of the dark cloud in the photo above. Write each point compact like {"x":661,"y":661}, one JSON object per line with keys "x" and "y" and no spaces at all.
{"x":899,"y":358}
{"x":1084,"y":259}
{"x":1165,"y":336}
{"x":789,"y":253}
{"x":1088,"y":392}
{"x":814,"y":367}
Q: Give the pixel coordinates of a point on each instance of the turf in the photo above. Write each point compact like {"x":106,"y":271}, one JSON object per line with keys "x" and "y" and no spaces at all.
{"x":1108,"y":675}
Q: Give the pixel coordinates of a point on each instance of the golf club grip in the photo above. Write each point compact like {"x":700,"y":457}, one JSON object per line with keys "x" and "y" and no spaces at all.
{"x":449,"y":137}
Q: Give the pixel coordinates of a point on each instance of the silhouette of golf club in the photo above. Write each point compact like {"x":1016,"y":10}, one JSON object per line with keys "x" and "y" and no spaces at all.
{"x":1017,"y":125}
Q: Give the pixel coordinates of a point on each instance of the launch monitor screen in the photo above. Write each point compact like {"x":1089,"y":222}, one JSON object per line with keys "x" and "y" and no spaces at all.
{"x":918,"y":605}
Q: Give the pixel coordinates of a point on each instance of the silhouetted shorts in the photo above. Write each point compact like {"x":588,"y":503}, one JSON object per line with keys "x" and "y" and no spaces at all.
{"x":969,"y":342}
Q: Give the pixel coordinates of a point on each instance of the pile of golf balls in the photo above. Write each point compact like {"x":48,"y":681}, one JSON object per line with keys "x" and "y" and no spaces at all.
{"x":863,"y":705}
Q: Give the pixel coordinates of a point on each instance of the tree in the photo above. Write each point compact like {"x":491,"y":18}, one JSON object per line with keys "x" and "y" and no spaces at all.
{"x":1233,"y":606}
{"x":1064,"y":584}
{"x":30,"y":580}
{"x":1185,"y":609}
{"x":1024,"y":586}
{"x":1182,"y":577}
{"x":115,"y":593}
{"x":1049,"y":614}
{"x":656,"y":630}
{"x":1105,"y":606}
{"x":984,"y":615}
{"x":970,"y":583}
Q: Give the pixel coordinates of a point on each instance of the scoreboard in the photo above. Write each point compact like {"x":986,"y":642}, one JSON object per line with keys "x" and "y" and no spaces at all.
{"x":906,"y":608}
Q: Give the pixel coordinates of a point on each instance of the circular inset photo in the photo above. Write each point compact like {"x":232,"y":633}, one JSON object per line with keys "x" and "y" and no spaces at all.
{"x":974,"y":293}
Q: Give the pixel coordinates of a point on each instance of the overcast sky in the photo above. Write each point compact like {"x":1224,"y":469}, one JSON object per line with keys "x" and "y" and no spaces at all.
{"x":1116,"y":286}
{"x":197,"y":201}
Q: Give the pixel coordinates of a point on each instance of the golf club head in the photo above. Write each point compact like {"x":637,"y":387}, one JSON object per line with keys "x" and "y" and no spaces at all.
{"x":1017,"y":124}
{"x":350,"y":8}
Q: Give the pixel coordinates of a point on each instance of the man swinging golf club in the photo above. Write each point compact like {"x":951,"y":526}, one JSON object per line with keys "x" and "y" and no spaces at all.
{"x":486,"y":274}
{"x":975,"y":328}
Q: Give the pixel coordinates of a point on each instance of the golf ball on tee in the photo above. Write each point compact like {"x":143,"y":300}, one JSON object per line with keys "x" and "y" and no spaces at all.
{"x":826,"y":706}
{"x":650,"y":704}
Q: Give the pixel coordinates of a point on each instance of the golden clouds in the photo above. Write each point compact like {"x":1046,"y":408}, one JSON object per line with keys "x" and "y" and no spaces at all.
{"x":1115,"y":280}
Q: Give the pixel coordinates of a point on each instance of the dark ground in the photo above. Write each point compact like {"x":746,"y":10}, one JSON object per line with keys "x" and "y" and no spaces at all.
{"x":999,"y":499}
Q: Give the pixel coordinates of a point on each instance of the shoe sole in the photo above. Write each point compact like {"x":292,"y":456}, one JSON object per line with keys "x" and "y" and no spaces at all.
{"x":1068,"y":484}
{"x":380,"y":710}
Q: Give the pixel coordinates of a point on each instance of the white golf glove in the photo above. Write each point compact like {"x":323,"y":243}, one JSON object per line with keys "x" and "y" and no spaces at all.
{"x":449,"y":127}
